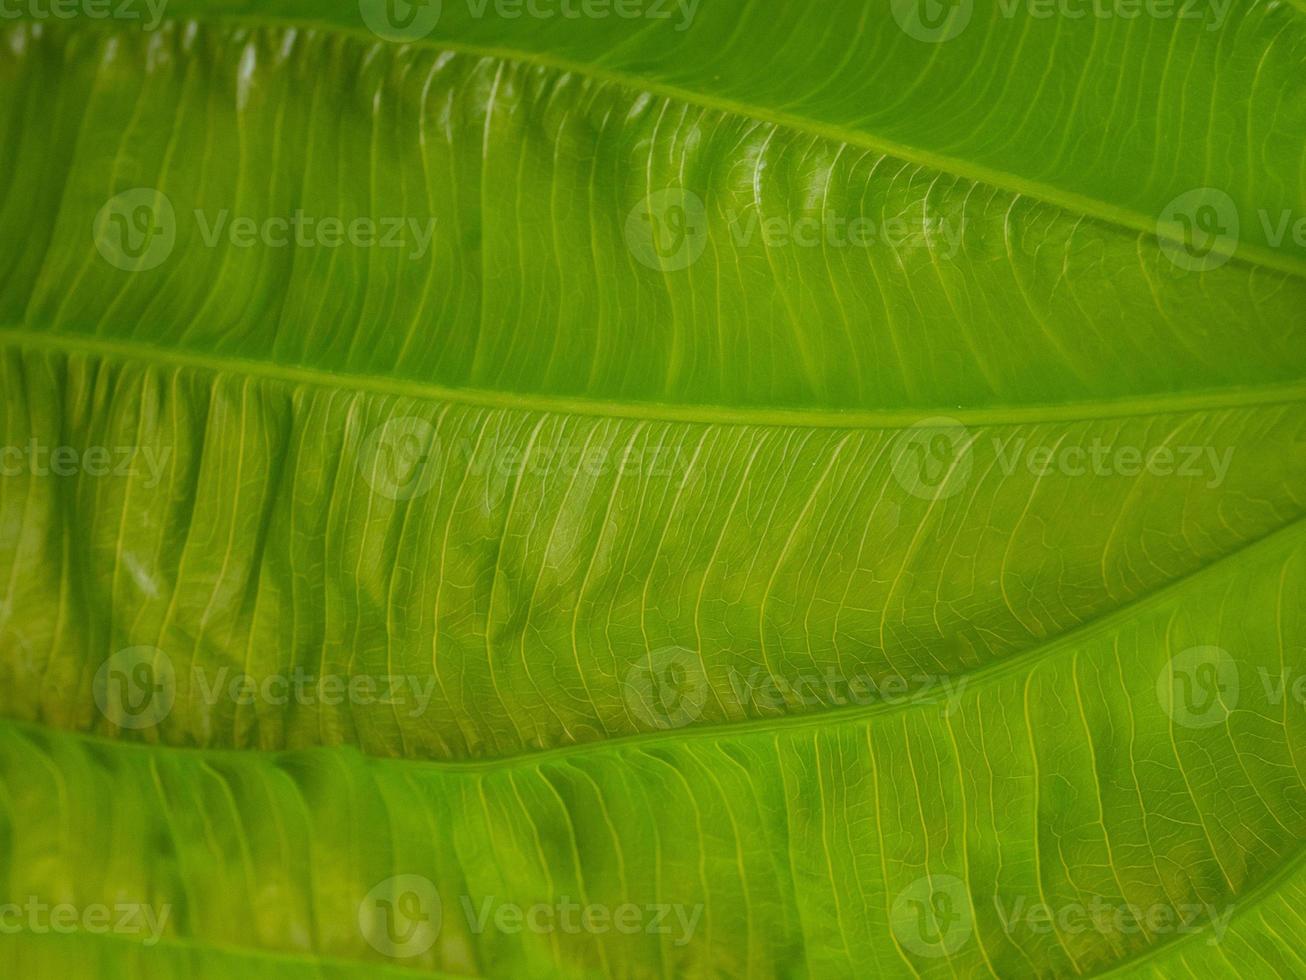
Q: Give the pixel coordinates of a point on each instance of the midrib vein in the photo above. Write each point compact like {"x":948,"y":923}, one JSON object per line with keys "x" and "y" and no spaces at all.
{"x":896,"y":418}
{"x":1025,"y":660}
{"x":1248,"y":253}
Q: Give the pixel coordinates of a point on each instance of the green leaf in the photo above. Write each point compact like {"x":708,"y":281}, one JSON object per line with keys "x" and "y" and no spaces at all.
{"x":817,"y":487}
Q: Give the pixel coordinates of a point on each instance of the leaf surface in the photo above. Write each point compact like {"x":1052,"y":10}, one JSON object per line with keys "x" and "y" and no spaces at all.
{"x":931,"y":536}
